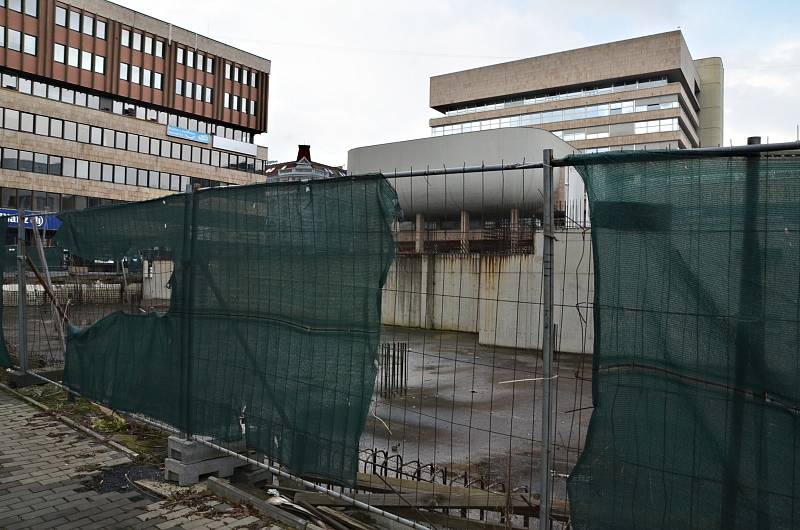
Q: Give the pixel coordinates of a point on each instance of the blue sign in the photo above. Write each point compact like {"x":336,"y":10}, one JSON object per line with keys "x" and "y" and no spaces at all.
{"x":46,"y":221}
{"x":186,"y":134}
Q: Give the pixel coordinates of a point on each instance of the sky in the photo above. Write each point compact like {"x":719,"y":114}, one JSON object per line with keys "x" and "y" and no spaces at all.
{"x":349,"y":73}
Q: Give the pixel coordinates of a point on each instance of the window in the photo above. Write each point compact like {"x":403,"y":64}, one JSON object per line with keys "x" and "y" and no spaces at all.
{"x":190,"y":58}
{"x":96,"y":136}
{"x":10,"y":158}
{"x":179,"y":57}
{"x":210,"y":65}
{"x":208,"y":95}
{"x":120,"y":140}
{"x":137,"y":41}
{"x":227,"y":71}
{"x":32,"y":7}
{"x":99,"y":64}
{"x":56,"y":127}
{"x":40,"y":163}
{"x":119,"y":175}
{"x":148,"y":44}
{"x":88,"y":24}
{"x":125,"y":38}
{"x":189,"y":89}
{"x":74,"y":21}
{"x":26,"y":122}
{"x":133,"y":142}
{"x":108,"y":173}
{"x":95,"y":171}
{"x":198,"y":92}
{"x":61,"y":16}
{"x":53,"y":92}
{"x":16,"y":5}
{"x":59,"y":53}
{"x":157,"y":81}
{"x":135,"y":74}
{"x":54,"y":165}
{"x":25,"y":161}
{"x":42,"y":126}
{"x":14,"y":40}
{"x":244,"y":105}
{"x":83,"y":133}
{"x":146,"y":77}
{"x":130,"y":176}
{"x":199,"y":64}
{"x":179,"y":87}
{"x":245,"y":76}
{"x":70,"y":130}
{"x":39,"y":89}
{"x":72,"y":57}
{"x":123,"y":71}
{"x":159,"y":49}
{"x":2,"y":38}
{"x":253,"y":79}
{"x":235,"y":105}
{"x":252,"y":107}
{"x":236,"y":73}
{"x":86,"y":60}
{"x":100,"y":29}
{"x":108,"y":137}
{"x":226,"y":100}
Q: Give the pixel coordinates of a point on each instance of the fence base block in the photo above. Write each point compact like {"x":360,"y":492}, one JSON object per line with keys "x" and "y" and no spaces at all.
{"x":188,"y":474}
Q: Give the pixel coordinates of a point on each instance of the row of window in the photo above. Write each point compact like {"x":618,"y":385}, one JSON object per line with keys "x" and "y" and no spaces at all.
{"x":77,"y":58}
{"x":619,"y":129}
{"x":41,"y":201}
{"x":18,"y":160}
{"x":77,"y":22}
{"x":105,"y":103}
{"x":552,"y":116}
{"x":634,"y":147}
{"x":14,"y":40}
{"x":190,"y":90}
{"x":195,"y":60}
{"x":16,"y":120}
{"x":135,"y":40}
{"x":29,"y":7}
{"x":240,"y":104}
{"x":240,"y":75}
{"x":137,"y":75}
{"x":556,"y":96}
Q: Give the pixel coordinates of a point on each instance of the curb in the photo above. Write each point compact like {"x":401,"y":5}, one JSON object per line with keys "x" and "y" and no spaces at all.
{"x":63,"y":419}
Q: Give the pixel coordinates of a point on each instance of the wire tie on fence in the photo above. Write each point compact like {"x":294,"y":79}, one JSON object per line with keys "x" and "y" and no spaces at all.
{"x":533,"y":379}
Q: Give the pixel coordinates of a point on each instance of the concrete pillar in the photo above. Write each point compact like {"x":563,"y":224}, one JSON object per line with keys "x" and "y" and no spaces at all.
{"x":419,"y":241}
{"x":514,"y":230}
{"x":464,"y":232}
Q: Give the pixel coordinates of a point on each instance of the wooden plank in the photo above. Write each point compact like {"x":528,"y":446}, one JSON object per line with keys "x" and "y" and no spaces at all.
{"x":450,"y":521}
{"x":343,"y":518}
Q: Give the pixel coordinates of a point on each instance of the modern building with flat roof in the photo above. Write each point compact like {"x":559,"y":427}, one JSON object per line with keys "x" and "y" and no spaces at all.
{"x":641,"y":93}
{"x":100,"y":104}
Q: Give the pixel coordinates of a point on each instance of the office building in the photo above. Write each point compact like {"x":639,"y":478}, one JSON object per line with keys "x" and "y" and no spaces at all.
{"x":100,"y":104}
{"x":303,"y":168}
{"x":641,"y":93}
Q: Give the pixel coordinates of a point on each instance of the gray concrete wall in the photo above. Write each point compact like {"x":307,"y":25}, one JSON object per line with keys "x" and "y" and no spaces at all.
{"x":712,"y":99}
{"x":651,"y":55}
{"x":497,"y":297}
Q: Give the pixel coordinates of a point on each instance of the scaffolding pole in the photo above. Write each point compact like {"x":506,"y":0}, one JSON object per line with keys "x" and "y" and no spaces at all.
{"x":547,"y":334}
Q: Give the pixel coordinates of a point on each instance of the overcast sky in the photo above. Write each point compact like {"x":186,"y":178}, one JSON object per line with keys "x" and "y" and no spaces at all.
{"x":352,"y":73}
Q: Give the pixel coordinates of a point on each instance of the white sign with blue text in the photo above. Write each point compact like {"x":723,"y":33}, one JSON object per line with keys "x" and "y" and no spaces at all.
{"x":186,"y":134}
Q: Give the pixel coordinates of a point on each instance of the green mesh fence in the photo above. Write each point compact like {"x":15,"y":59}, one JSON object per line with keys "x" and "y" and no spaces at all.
{"x":697,"y":344}
{"x":274,"y":315}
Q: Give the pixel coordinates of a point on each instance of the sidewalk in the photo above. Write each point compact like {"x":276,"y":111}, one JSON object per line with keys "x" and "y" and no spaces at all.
{"x":48,"y":479}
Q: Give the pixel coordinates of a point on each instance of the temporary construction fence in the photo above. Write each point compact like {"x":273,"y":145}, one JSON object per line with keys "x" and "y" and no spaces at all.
{"x":672,"y":330}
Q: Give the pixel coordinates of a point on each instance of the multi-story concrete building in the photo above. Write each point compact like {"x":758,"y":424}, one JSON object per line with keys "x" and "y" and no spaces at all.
{"x":100,"y":103}
{"x":638,"y":93}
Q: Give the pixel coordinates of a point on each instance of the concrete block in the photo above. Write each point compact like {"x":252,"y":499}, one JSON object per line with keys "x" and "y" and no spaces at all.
{"x":189,"y":451}
{"x":254,"y":475}
{"x":20,"y":379}
{"x":188,"y":474}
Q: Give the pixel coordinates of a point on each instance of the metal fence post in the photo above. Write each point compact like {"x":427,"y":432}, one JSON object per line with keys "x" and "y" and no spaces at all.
{"x":547,"y":334}
{"x":22,"y":294}
{"x":189,"y":238}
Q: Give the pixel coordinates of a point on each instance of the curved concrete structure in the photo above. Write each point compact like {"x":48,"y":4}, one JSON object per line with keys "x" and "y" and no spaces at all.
{"x":444,"y":196}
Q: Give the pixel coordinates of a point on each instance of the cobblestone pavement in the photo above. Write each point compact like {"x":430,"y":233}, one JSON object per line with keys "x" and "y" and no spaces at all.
{"x":47,"y":471}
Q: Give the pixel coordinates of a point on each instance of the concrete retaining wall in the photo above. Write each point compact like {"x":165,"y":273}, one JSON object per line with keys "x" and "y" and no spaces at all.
{"x":497,"y":297}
